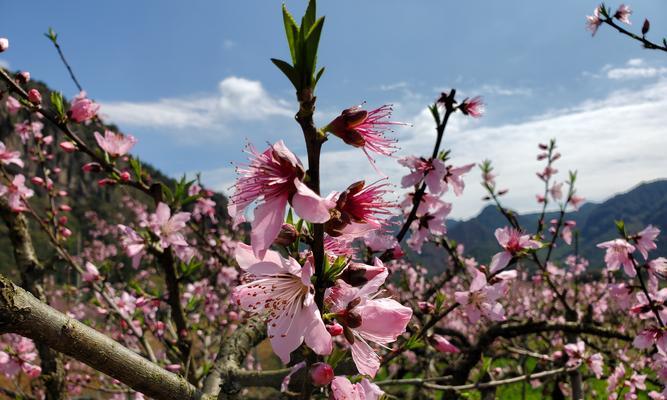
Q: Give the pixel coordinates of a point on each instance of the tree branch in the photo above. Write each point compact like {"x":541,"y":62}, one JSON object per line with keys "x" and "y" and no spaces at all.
{"x":23,"y":314}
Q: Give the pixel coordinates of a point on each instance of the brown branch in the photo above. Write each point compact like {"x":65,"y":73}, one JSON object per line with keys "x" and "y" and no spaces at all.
{"x":23,"y":314}
{"x":32,"y":277}
{"x":224,"y":378}
{"x":491,"y":384}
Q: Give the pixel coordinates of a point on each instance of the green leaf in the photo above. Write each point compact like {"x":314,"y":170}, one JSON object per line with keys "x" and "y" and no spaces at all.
{"x":531,"y":363}
{"x":288,"y":70}
{"x":318,"y":76}
{"x":57,"y":103}
{"x":290,"y":217}
{"x":290,"y":29}
{"x":309,"y":17}
{"x":312,"y":40}
{"x":167,"y":193}
{"x":336,"y":356}
{"x":136,"y":167}
{"x":435,"y":113}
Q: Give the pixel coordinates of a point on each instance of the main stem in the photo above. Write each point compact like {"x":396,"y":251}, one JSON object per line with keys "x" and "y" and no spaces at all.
{"x":314,"y":147}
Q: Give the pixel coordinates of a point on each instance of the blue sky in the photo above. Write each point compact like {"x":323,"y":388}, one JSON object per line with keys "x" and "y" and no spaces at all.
{"x":192,"y":81}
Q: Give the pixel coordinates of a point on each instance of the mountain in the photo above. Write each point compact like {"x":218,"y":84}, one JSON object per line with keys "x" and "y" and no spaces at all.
{"x":84,"y":192}
{"x":643,"y":205}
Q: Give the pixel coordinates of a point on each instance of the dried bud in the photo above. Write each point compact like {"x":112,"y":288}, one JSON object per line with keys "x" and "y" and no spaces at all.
{"x":288,"y":235}
{"x":35,"y":97}
{"x":645,"y":27}
{"x":321,"y":374}
{"x":4,"y":44}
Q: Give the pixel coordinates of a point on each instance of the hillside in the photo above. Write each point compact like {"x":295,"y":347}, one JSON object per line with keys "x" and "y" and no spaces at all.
{"x":645,"y":204}
{"x":84,"y":192}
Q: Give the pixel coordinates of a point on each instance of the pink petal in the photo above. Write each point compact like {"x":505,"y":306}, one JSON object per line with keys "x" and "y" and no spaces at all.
{"x":269,"y":217}
{"x":309,"y":206}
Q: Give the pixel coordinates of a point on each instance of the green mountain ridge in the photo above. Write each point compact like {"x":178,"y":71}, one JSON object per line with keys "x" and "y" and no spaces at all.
{"x":642,"y":205}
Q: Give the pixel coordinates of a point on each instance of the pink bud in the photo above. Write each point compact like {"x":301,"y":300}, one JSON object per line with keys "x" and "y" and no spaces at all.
{"x":321,"y":374}
{"x":68,"y":147}
{"x":65,"y":232}
{"x":63,"y":220}
{"x":125,"y":176}
{"x":23,"y":77}
{"x":57,"y":170}
{"x":65,"y":208}
{"x":92,"y":167}
{"x":4,"y":44}
{"x":62,"y":193}
{"x":335,"y":329}
{"x":106,"y":181}
{"x":35,"y":97}
{"x":425,"y":307}
{"x":47,"y":139}
{"x":36,"y":180}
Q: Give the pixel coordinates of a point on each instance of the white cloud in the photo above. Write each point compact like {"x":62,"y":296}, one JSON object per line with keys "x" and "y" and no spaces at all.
{"x":635,"y":68}
{"x":503,"y":91}
{"x":4,"y":64}
{"x":238,"y":99}
{"x":614,"y":142}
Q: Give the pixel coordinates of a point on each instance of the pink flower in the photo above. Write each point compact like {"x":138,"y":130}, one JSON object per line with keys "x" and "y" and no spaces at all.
{"x":556,"y":191}
{"x":204,"y":206}
{"x":481,"y":298}
{"x":623,"y":14}
{"x":575,"y":353}
{"x":431,"y":216}
{"x":10,"y":157}
{"x":13,"y":105}
{"x":16,"y":192}
{"x":646,"y":240}
{"x":454,"y":177}
{"x":116,"y":144}
{"x":91,"y":274}
{"x":35,"y":97}
{"x":83,"y":109}
{"x":280,"y":289}
{"x":274,"y":177}
{"x":595,"y":363}
{"x":650,"y":336}
{"x":635,"y":382}
{"x":133,"y":244}
{"x":576,"y":201}
{"x":593,"y":22}
{"x":360,"y":209}
{"x":431,"y":170}
{"x":367,"y":319}
{"x":167,"y":227}
{"x":443,"y":345}
{"x":514,"y":243}
{"x":566,"y":233}
{"x":615,"y":377}
{"x":365,"y":129}
{"x":618,"y":253}
{"x":473,"y":107}
{"x":658,"y":267}
{"x":4,"y":44}
{"x":343,"y":389}
{"x":20,"y":355}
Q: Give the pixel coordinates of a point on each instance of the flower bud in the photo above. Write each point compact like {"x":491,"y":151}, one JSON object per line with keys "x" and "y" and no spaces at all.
{"x":36,"y":180}
{"x":321,"y":374}
{"x":125,"y":176}
{"x":288,"y":235}
{"x":65,"y":208}
{"x":92,"y":167}
{"x":335,"y":329}
{"x":359,"y":274}
{"x":35,"y":97}
{"x":443,"y":345}
{"x":425,"y":307}
{"x":4,"y":44}
{"x":23,"y":77}
{"x":106,"y":181}
{"x":65,"y":232}
{"x":67,"y":147}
